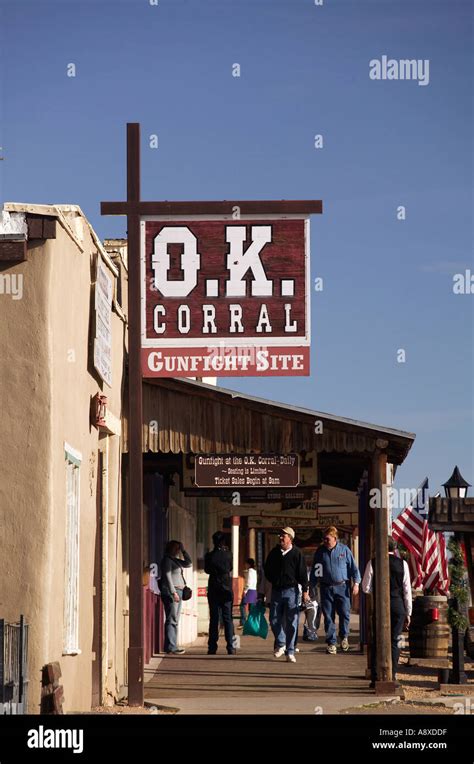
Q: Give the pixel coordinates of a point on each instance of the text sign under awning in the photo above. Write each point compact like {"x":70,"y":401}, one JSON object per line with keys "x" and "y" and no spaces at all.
{"x":247,"y":471}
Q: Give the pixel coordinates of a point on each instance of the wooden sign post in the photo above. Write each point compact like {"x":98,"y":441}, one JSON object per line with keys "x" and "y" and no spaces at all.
{"x":130,"y":208}
{"x":136,"y":210}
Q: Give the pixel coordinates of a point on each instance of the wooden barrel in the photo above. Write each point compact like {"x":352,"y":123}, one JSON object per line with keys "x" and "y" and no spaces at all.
{"x":429,"y":638}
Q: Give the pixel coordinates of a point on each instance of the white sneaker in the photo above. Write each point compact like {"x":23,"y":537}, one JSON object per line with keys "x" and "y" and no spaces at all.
{"x":297,"y":649}
{"x":331,"y":649}
{"x":278,"y":653}
{"x":345,"y":644}
{"x":291,"y":658}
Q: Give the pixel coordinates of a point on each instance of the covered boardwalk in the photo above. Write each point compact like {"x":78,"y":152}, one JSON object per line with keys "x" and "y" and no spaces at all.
{"x":254,"y":682}
{"x":184,"y":417}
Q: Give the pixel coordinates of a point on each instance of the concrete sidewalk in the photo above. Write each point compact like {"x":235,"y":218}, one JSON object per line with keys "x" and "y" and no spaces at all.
{"x":254,"y":682}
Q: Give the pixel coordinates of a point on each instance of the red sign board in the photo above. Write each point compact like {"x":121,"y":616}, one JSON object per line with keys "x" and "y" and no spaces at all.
{"x":225,"y":297}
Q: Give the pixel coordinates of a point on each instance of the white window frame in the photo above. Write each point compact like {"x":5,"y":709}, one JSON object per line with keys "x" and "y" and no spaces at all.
{"x":73,"y":460}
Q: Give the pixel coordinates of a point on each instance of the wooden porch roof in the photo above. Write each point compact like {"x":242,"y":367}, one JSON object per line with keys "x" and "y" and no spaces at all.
{"x":181,"y":415}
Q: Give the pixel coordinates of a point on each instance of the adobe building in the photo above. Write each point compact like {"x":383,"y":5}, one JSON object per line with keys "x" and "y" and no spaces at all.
{"x":62,"y":333}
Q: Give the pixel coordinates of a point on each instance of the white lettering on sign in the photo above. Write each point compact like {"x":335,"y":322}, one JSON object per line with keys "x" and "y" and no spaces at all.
{"x":239,"y":262}
{"x":264,"y":320}
{"x":236,"y":319}
{"x":209,"y":325}
{"x":290,"y":326}
{"x":157,"y":325}
{"x":190,"y":261}
{"x":265,"y":361}
{"x":184,"y":319}
{"x":209,"y":319}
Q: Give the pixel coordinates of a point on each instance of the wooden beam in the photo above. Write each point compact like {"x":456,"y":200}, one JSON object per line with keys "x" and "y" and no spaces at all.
{"x":41,"y":227}
{"x":13,"y":250}
{"x":246,"y":207}
{"x":382,"y":573}
{"x":35,"y":226}
{"x":49,"y":228}
{"x":135,"y":497}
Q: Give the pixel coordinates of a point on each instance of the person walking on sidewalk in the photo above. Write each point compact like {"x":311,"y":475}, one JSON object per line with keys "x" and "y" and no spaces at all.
{"x":171,"y":586}
{"x":218,"y":563}
{"x":400,"y":604}
{"x":249,"y":596}
{"x":285,"y":568}
{"x":334,"y":567}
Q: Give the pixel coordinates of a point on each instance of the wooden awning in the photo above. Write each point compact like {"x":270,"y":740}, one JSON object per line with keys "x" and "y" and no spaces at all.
{"x":183,"y":416}
{"x":451,"y":514}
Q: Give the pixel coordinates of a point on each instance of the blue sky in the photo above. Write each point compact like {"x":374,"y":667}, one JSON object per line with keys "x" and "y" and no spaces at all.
{"x":304,"y":71}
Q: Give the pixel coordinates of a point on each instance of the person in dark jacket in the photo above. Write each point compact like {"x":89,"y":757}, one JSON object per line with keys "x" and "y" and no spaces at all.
{"x":218,"y":564}
{"x":400,"y":604}
{"x":285,"y":568}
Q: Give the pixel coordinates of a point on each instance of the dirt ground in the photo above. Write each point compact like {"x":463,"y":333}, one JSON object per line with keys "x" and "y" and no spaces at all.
{"x":402,"y":707}
{"x":421,"y":682}
{"x":124,"y":709}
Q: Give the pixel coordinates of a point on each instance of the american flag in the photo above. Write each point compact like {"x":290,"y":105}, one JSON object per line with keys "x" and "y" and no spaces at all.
{"x":428,"y":561}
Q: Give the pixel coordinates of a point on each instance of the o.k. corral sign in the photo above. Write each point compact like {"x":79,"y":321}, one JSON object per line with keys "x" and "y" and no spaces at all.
{"x":224,"y":296}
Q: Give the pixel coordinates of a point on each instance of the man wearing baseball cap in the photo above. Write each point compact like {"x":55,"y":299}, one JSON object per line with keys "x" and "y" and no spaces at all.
{"x":285,"y":569}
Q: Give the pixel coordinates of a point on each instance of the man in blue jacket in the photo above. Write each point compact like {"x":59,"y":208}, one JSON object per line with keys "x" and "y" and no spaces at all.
{"x":334,"y":567}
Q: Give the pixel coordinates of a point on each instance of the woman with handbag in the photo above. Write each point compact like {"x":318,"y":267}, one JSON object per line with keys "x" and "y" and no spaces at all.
{"x":173,"y":592}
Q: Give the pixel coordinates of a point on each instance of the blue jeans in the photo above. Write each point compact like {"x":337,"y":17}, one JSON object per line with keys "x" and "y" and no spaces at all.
{"x":397,"y":620}
{"x":172,"y":611}
{"x":336,"y":599}
{"x":284,"y":617}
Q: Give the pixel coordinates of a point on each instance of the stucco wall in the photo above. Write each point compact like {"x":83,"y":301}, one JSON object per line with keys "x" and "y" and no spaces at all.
{"x":47,"y":383}
{"x":72,"y":389}
{"x":25,"y":442}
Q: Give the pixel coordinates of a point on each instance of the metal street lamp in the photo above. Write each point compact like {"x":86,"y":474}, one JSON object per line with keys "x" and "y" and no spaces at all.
{"x":456,"y":487}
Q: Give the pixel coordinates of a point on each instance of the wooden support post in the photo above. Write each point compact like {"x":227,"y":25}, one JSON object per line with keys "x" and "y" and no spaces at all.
{"x":369,"y":554}
{"x":135,"y":649}
{"x":382,"y":578}
{"x":252,"y":547}
{"x":235,"y":555}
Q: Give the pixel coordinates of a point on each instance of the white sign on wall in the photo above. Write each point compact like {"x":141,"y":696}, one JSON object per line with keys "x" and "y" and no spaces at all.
{"x":103,"y":323}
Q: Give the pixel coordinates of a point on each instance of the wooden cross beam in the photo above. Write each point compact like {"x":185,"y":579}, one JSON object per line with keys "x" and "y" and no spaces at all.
{"x":226,"y":207}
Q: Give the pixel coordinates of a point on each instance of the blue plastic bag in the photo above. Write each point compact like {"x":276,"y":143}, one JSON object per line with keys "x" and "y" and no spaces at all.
{"x":256,"y":624}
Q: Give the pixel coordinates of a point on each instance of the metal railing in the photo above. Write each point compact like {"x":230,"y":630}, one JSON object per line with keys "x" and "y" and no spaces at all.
{"x":13,"y":667}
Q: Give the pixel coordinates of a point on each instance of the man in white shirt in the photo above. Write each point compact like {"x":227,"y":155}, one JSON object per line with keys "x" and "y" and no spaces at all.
{"x":400,"y":603}
{"x":249,"y":596}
